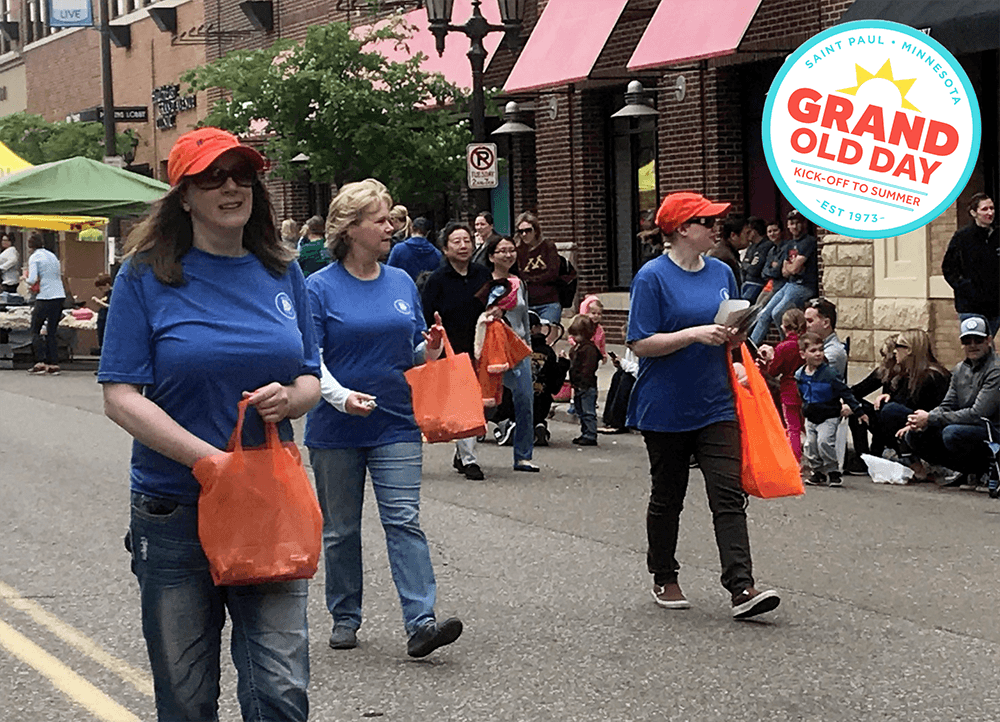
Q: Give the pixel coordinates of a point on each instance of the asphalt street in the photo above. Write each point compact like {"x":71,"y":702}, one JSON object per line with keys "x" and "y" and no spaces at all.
{"x":889,"y":594}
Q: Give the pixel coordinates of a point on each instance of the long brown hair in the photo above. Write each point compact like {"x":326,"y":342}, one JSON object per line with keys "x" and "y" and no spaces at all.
{"x":921,"y":362}
{"x":163,"y":238}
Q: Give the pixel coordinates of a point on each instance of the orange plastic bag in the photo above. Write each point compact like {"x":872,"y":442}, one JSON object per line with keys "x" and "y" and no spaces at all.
{"x":769,"y":468}
{"x":258,"y":516}
{"x":447,"y":398}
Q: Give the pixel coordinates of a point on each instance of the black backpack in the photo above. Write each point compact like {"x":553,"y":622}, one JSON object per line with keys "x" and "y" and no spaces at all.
{"x":567,"y":283}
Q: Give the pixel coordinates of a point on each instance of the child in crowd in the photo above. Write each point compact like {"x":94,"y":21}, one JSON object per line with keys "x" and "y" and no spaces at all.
{"x":786,"y":361}
{"x":616,"y":404}
{"x":823,"y":395}
{"x":548,"y":372}
{"x":583,"y":361}
{"x":592,"y":307}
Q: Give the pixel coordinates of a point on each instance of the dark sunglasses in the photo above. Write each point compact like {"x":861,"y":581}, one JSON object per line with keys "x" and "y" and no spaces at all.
{"x":523,"y":231}
{"x":214,"y":177}
{"x":972,"y":340}
{"x":706,"y":222}
{"x":902,"y":345}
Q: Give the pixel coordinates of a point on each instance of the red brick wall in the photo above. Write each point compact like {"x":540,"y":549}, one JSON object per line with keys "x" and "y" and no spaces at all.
{"x":64,"y":76}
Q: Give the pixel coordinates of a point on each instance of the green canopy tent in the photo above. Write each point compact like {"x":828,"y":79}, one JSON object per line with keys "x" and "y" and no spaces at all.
{"x":78,"y":186}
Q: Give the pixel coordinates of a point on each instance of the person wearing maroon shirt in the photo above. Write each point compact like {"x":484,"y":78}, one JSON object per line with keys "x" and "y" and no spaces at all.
{"x":538,"y":264}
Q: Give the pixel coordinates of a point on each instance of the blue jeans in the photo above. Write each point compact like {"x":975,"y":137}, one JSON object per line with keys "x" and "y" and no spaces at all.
{"x":960,"y":447}
{"x":340,"y":483}
{"x":585,"y":401}
{"x":183,"y":613}
{"x":551,"y":312}
{"x":791,"y":295}
{"x":751,"y":290}
{"x":518,"y":380}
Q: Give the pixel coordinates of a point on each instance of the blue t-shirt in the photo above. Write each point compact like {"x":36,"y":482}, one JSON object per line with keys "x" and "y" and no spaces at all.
{"x":368,"y":332}
{"x":232,"y":327}
{"x":688,"y":389}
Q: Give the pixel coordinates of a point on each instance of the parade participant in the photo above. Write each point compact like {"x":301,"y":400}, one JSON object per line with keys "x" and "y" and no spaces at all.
{"x":370,"y":328}
{"x":44,"y":269}
{"x":971,"y":265}
{"x":208,"y":309}
{"x":683,"y":404}
{"x":451,"y":291}
{"x":502,"y":256}
{"x":538,"y":266}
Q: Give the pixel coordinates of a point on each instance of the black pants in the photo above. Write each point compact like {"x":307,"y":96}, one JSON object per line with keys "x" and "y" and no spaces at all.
{"x":8,"y":287}
{"x":616,"y":405}
{"x":47,"y":313}
{"x":717,"y":449}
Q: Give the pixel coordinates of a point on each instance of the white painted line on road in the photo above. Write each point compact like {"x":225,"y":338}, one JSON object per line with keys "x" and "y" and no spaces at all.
{"x":138,"y":679}
{"x":63,"y":678}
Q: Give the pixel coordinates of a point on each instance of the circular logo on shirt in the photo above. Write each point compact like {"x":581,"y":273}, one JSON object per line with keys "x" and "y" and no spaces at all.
{"x":402,"y":306}
{"x":724,"y":294}
{"x":285,"y":306}
{"x":871,"y":129}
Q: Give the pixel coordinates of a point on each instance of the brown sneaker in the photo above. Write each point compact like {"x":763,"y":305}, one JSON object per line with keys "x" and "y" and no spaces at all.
{"x":670,"y":596}
{"x":38,"y":369}
{"x":750,"y":603}
{"x":52,"y":370}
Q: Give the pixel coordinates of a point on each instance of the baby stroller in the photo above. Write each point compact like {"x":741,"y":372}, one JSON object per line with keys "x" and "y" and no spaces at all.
{"x":994,"y":471}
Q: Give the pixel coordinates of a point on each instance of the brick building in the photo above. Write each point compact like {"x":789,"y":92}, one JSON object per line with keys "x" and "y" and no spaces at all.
{"x":590,"y":177}
{"x":587,"y":184}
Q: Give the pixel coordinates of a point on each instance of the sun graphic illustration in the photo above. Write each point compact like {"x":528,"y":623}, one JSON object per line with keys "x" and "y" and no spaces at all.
{"x":885,"y":73}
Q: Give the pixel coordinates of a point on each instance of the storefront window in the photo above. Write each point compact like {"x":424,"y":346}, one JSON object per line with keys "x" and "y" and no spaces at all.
{"x":633,"y":193}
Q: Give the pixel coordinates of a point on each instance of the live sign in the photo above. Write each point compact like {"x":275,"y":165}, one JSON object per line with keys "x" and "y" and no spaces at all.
{"x":481,"y":162}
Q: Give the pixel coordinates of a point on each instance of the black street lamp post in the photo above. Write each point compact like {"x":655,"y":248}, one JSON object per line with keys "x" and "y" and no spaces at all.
{"x":476,"y":29}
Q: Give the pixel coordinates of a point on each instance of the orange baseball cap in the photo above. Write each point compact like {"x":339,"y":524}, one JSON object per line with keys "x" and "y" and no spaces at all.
{"x":195,"y":151}
{"x":680,"y":207}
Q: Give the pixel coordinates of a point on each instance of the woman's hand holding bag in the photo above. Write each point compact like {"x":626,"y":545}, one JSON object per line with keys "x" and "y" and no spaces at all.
{"x":447,"y":398}
{"x":258,"y":517}
{"x":769,"y":468}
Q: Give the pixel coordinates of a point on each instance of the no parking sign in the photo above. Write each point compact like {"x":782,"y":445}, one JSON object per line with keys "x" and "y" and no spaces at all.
{"x":481,"y":161}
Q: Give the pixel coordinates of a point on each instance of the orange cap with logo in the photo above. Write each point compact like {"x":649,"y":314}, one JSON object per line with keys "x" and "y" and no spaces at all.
{"x":680,"y":207}
{"x":195,"y":151}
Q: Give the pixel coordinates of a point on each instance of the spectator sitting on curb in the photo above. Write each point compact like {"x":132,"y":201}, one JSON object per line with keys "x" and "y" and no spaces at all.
{"x":953,"y":433}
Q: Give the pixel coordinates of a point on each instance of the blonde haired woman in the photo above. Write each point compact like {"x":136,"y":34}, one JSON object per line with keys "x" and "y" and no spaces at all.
{"x":919,"y":382}
{"x":402,"y":226}
{"x":371,"y":329}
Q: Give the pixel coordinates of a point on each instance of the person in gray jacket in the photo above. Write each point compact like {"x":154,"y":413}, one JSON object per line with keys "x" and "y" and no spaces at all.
{"x":953,"y":434}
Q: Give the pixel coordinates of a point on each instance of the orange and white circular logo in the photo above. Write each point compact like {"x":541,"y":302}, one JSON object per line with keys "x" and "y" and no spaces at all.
{"x":871,"y":129}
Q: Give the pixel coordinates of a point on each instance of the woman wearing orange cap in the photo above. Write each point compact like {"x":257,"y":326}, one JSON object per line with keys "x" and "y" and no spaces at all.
{"x":683,"y":403}
{"x":208,"y":309}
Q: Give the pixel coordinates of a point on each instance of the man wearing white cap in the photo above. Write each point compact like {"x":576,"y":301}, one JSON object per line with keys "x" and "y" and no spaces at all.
{"x":953,"y":434}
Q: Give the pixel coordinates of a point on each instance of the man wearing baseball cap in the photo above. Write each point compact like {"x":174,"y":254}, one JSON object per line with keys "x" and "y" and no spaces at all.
{"x":953,"y":434}
{"x":682,"y":401}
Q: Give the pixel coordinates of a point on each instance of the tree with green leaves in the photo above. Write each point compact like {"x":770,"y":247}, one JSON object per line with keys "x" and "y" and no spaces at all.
{"x":352,"y":111}
{"x":39,"y":141}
